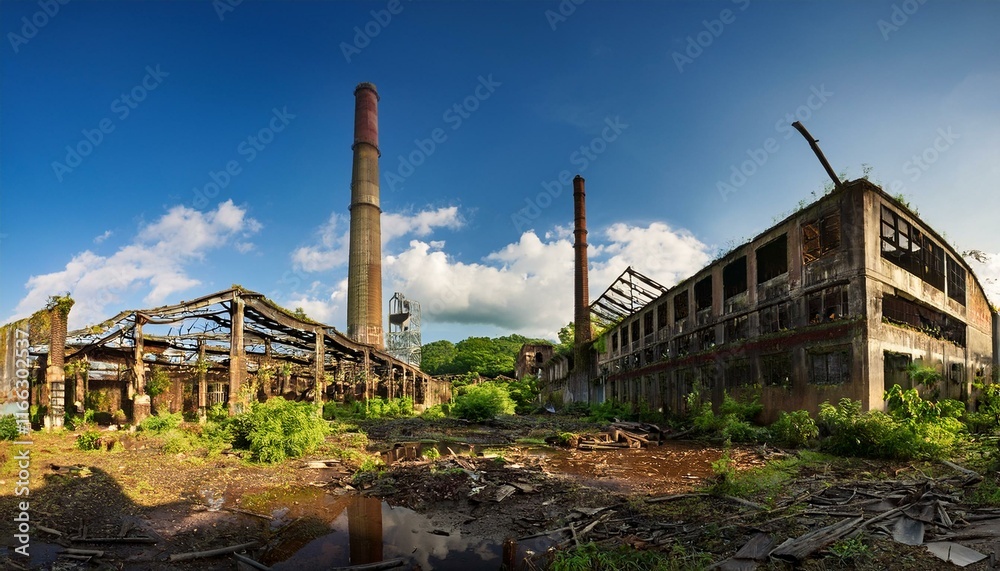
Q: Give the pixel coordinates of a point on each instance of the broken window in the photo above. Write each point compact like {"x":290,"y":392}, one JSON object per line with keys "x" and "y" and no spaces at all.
{"x":734,"y":277}
{"x":739,"y":373}
{"x":625,"y":337}
{"x":703,"y":294}
{"x":776,"y":370}
{"x":614,"y":341}
{"x":956,"y":281}
{"x":683,"y":344}
{"x":820,"y":237}
{"x":635,"y":331}
{"x":737,"y":328}
{"x":831,"y":368}
{"x":774,"y":319}
{"x":647,"y":323}
{"x":957,"y":373}
{"x":913,"y":315}
{"x":772,"y":259}
{"x":911,"y":249}
{"x":827,"y":305}
{"x":895,"y":370}
{"x":706,"y":338}
{"x":661,"y":316}
{"x":681,"y":306}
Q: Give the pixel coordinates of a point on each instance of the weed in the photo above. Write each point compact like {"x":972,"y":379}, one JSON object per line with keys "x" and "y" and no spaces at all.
{"x":161,"y":422}
{"x":89,"y":440}
{"x":852,"y":550}
{"x":432,"y":454}
{"x":483,"y":402}
{"x":8,"y":427}
{"x":435,"y":412}
{"x":278,"y":429}
{"x":610,"y":410}
{"x":986,"y":493}
{"x":794,"y":429}
{"x":593,"y":557}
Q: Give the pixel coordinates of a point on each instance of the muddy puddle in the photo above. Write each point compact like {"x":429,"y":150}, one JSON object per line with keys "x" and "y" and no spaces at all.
{"x":367,"y":530}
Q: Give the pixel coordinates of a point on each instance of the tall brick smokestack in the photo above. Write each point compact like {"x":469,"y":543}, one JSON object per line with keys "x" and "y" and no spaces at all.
{"x":364,"y":273}
{"x":581,"y":318}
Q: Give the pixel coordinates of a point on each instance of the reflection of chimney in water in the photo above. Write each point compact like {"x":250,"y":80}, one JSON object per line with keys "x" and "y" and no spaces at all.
{"x":581,"y":317}
{"x":364,"y":527}
{"x":364,"y":265}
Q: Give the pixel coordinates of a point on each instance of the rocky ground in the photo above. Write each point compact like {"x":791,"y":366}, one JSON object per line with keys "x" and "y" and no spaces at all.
{"x":143,"y":508}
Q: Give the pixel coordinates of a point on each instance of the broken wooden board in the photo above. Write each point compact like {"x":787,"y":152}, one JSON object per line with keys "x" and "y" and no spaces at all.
{"x":799,"y":548}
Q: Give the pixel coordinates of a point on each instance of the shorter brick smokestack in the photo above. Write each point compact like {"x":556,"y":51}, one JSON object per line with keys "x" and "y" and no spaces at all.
{"x":581,"y":317}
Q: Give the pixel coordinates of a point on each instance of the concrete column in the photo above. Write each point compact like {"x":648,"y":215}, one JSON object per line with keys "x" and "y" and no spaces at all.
{"x":202,"y":382}
{"x":55,"y":375}
{"x":319,"y":374}
{"x":237,"y":355}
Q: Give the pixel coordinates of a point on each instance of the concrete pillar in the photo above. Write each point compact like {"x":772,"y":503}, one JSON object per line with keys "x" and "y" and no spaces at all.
{"x":237,"y":356}
{"x":55,"y":375}
{"x":141,"y":403}
{"x":202,"y":382}
{"x":319,"y":374}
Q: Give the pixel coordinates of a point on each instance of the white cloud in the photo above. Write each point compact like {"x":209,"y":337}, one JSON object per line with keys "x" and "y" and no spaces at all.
{"x":154,"y":262}
{"x":107,"y":234}
{"x":525,"y":286}
{"x":332,"y":248}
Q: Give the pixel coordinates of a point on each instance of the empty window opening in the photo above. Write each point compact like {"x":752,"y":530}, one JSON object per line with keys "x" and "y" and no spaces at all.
{"x":683,"y":344}
{"x":737,"y":328}
{"x":956,"y":373}
{"x":647,"y":323}
{"x":895,"y":370}
{"x":831,"y":368}
{"x":772,"y":259}
{"x":625,"y":337}
{"x":776,"y":370}
{"x":614,"y":341}
{"x":909,"y":248}
{"x":739,"y":373}
{"x":661,"y":316}
{"x":734,"y":277}
{"x":538,"y":357}
{"x":913,"y":315}
{"x":703,"y":294}
{"x":681,"y":306}
{"x":774,"y":319}
{"x":706,"y":339}
{"x":827,"y":305}
{"x":956,"y":281}
{"x":820,"y":237}
{"x":635,"y":331}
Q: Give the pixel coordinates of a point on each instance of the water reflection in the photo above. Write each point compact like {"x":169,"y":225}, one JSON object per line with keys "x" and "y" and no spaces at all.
{"x":368,"y":530}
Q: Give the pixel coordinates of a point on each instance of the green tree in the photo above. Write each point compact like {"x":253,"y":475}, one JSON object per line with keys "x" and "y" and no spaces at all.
{"x":567,"y":335}
{"x":436,"y":357}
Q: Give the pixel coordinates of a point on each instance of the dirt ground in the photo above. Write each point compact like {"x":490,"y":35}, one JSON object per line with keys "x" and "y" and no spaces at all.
{"x":491,"y":482}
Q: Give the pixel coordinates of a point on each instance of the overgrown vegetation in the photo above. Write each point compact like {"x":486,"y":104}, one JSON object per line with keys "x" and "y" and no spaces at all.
{"x":913,"y":428}
{"x":484,"y":355}
{"x":89,"y":440}
{"x":161,"y":422}
{"x":8,"y":427}
{"x":596,"y":557}
{"x":733,"y":423}
{"x":795,"y":429}
{"x":278,"y":429}
{"x":483,"y":402}
{"x":377,"y":407}
{"x":524,"y":394}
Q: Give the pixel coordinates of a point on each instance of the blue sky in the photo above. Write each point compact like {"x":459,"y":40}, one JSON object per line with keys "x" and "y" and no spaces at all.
{"x":656,"y":104}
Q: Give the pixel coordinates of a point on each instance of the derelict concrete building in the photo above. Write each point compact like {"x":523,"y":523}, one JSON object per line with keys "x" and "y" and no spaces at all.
{"x":833,"y":301}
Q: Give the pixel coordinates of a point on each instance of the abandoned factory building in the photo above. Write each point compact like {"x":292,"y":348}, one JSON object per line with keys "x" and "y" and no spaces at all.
{"x":834,"y":301}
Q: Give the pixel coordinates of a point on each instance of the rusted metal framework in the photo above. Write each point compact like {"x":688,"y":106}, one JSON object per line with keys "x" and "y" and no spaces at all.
{"x":629,"y":293}
{"x":403,"y":340}
{"x":236,"y":346}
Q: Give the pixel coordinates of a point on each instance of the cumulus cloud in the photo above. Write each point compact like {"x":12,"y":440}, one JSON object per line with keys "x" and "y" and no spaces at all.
{"x":331,"y":249}
{"x":155,"y":262}
{"x":107,"y":234}
{"x":525,"y":286}
{"x":987,"y":269}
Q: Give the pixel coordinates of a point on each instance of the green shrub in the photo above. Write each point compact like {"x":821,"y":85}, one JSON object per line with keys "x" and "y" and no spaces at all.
{"x":158,"y":381}
{"x":8,"y":427}
{"x":279,"y":429}
{"x":435,"y":412}
{"x":37,"y":414}
{"x":524,"y":394}
{"x":986,"y":419}
{"x":330,"y":410}
{"x":89,"y":440}
{"x":483,"y":401}
{"x":161,"y":422}
{"x":913,"y":429}
{"x":577,"y":408}
{"x":610,"y":410}
{"x":733,"y":423}
{"x":794,"y":429}
{"x":218,"y":412}
{"x":97,"y":400}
